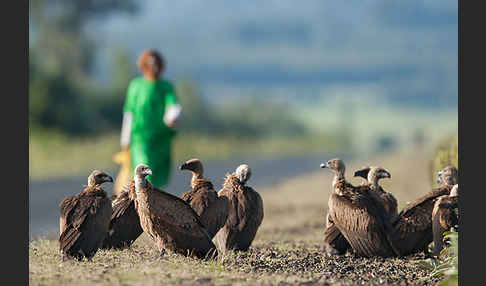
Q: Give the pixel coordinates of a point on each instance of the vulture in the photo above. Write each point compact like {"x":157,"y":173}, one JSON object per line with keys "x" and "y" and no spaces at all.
{"x":373,"y":175}
{"x":124,"y":226}
{"x":334,"y":240}
{"x":444,"y":217}
{"x":169,"y":221}
{"x":359,"y":215}
{"x":212,"y":210}
{"x":413,"y":227}
{"x":245,"y":213}
{"x":84,"y":219}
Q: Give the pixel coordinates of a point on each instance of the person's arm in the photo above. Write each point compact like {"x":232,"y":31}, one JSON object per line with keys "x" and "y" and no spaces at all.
{"x":173,"y":109}
{"x":172,"y":114}
{"x":126,"y":130}
{"x":127,"y":117}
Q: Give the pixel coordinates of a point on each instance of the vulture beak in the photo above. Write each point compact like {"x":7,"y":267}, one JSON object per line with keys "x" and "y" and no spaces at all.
{"x":323,"y":165}
{"x":183,"y":167}
{"x":386,"y":175}
{"x":148,"y":172}
{"x":108,"y":179}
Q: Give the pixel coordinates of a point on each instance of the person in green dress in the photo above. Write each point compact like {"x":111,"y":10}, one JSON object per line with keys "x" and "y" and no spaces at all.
{"x":150,"y":113}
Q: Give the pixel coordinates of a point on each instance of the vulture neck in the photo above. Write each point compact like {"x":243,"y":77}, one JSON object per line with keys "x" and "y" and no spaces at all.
{"x":195,"y":177}
{"x":338,"y":176}
{"x":140,"y":183}
{"x":373,"y":182}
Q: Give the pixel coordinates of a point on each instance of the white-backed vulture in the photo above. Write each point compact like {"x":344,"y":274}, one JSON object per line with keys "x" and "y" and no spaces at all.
{"x":125,"y":225}
{"x":373,"y":174}
{"x":444,"y":217}
{"x":245,"y":212}
{"x":212,"y":210}
{"x":413,"y":227}
{"x":171,"y":223}
{"x":84,"y":219}
{"x":358,"y":215}
{"x":334,"y":241}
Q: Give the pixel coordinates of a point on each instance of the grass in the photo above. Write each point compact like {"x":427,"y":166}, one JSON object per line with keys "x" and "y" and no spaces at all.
{"x":52,"y":155}
{"x":286,"y":251}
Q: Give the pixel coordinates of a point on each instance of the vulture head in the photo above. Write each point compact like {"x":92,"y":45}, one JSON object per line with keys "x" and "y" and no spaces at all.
{"x":98,"y":177}
{"x":363,"y":172}
{"x":195,"y":166}
{"x":142,"y":171}
{"x":447,"y":176}
{"x":243,"y":172}
{"x":454,"y":192}
{"x":377,"y":173}
{"x":336,"y":165}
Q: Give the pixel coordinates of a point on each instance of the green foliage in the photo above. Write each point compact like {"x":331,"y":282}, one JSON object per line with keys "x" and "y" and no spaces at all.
{"x":448,"y":263}
{"x":446,"y":153}
{"x":61,"y":54}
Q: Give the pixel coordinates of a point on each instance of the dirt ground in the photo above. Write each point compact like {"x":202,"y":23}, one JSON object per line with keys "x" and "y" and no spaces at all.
{"x":286,"y":251}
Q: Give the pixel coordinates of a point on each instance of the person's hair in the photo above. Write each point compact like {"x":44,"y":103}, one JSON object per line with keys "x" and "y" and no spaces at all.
{"x":151,"y":63}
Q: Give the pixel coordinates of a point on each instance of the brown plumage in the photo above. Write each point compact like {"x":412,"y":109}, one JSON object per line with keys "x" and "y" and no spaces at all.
{"x":358,"y":215}
{"x":413,"y":227}
{"x":212,"y":210}
{"x":171,"y":223}
{"x":84,"y":219}
{"x":444,"y":217}
{"x":125,"y":225}
{"x":245,"y":212}
{"x":334,"y":240}
{"x":373,"y":175}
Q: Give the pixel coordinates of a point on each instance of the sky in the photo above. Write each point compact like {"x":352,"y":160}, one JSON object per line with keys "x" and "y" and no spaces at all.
{"x":401,"y":52}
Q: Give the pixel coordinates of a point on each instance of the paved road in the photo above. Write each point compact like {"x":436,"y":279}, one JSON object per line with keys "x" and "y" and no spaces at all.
{"x":44,"y":196}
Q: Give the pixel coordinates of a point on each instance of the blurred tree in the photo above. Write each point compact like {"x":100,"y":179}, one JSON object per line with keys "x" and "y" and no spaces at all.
{"x":418,"y":137}
{"x":386,"y":143}
{"x":60,"y":60}
{"x":252,"y":118}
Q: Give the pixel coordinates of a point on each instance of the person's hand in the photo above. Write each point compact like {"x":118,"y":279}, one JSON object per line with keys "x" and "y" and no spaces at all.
{"x":171,"y":123}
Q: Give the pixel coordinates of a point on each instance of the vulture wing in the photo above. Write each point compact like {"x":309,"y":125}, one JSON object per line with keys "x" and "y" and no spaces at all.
{"x":253,"y":216}
{"x":334,"y":239}
{"x":177,"y":218}
{"x":212,"y":210}
{"x":417,"y":216}
{"x":362,"y":225}
{"x":87,"y":216}
{"x":413,"y":227}
{"x":125,"y":225}
{"x":443,"y":218}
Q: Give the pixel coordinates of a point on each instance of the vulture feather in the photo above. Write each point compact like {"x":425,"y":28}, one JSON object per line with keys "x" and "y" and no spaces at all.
{"x":212,"y":210}
{"x":334,"y":240}
{"x":359,"y":215}
{"x":125,"y":225}
{"x":373,"y":175}
{"x":444,"y":217}
{"x":413,"y":227}
{"x":171,"y":223}
{"x":245,"y":213}
{"x":84,"y":219}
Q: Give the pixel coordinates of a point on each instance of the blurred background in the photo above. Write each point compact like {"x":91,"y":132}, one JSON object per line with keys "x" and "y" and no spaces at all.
{"x":282,"y":85}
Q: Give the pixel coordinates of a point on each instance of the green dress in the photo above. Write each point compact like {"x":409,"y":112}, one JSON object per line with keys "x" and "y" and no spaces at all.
{"x":150,"y":137}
